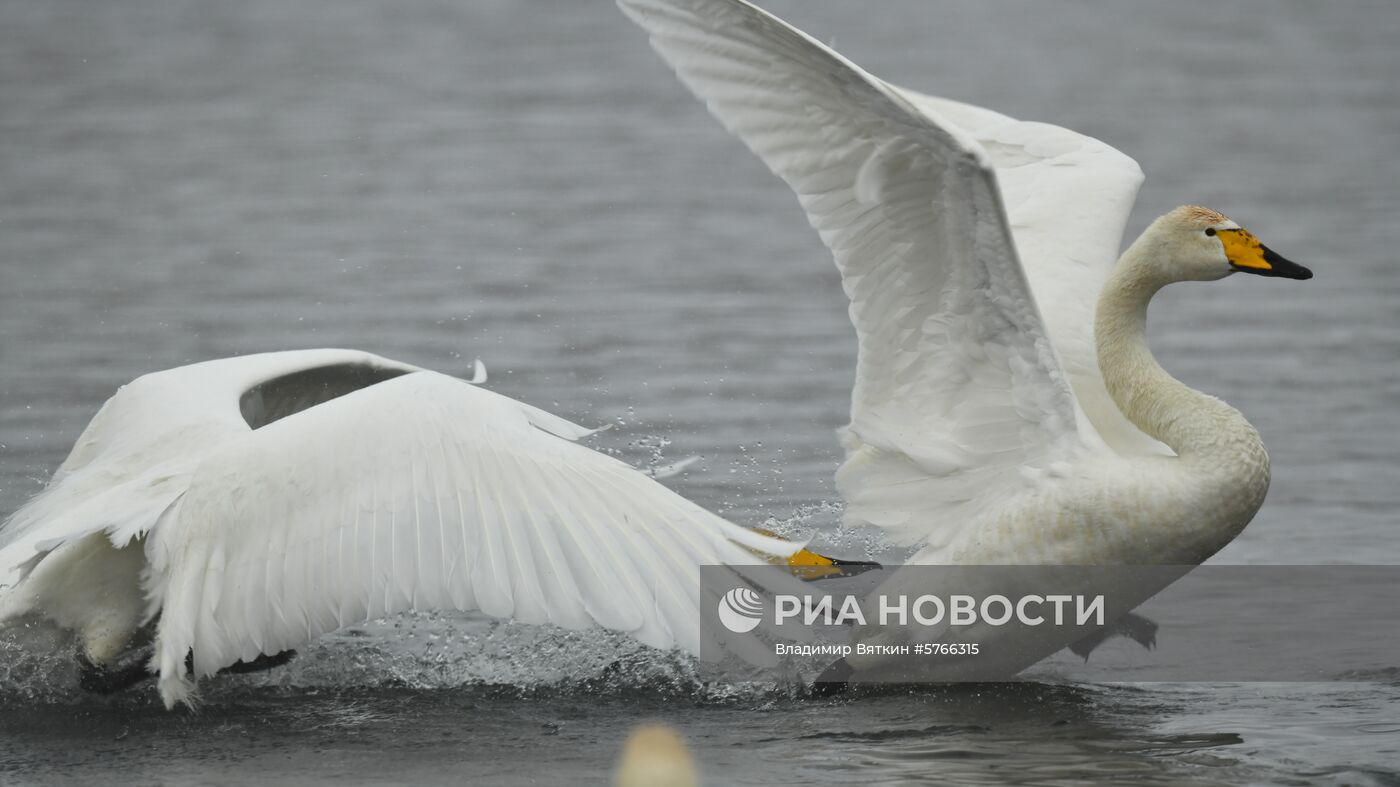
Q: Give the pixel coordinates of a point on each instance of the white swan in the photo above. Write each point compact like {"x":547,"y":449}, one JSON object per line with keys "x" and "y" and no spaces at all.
{"x":248,"y":505}
{"x":1006,"y":407}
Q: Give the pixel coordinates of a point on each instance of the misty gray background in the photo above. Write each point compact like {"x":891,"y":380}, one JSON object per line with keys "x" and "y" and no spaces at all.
{"x":525,"y":182}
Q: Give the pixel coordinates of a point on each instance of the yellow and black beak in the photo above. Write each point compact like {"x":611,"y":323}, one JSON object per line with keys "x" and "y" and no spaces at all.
{"x":1248,"y":255}
{"x":809,"y":566}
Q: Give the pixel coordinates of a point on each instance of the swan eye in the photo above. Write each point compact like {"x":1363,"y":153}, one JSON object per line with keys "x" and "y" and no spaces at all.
{"x":1210,"y":231}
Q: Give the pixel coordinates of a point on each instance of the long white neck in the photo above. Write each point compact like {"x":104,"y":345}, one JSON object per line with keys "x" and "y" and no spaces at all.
{"x":1195,"y":425}
{"x":1221,"y":460}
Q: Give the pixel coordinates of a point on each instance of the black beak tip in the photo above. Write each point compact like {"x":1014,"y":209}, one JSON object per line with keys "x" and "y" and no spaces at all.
{"x":1284,"y":268}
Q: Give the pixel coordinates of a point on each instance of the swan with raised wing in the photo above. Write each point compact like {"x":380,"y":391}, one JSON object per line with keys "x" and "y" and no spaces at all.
{"x":219,"y":515}
{"x":1006,"y":408}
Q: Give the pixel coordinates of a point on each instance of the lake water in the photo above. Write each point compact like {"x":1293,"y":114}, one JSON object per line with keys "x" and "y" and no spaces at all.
{"x":524,"y":181}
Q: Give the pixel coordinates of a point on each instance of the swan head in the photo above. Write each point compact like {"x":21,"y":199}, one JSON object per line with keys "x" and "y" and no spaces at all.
{"x":1200,"y":244}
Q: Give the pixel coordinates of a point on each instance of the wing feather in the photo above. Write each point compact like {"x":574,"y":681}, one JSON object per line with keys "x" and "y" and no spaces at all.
{"x":1067,"y":198}
{"x":958,"y":388}
{"x":423,"y":491}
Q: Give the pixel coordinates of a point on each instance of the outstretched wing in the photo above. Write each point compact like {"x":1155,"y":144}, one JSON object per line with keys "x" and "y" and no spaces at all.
{"x":1067,"y":198}
{"x":419,"y":492}
{"x":136,"y":456}
{"x":959,"y":399}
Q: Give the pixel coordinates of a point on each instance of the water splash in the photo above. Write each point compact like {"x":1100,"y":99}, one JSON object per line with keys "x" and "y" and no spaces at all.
{"x":416,"y":651}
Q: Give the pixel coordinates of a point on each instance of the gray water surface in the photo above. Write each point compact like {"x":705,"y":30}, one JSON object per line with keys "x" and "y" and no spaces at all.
{"x":524,"y":181}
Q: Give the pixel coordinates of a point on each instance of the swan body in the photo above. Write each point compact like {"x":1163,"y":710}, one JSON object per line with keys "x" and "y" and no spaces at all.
{"x":1006,"y":408}
{"x":241,"y":507}
{"x":1101,"y":507}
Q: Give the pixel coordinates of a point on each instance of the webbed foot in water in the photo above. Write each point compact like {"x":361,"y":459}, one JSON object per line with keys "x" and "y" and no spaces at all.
{"x":131,"y":669}
{"x":1135,"y":627}
{"x":126,"y":671}
{"x":833,"y":680}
